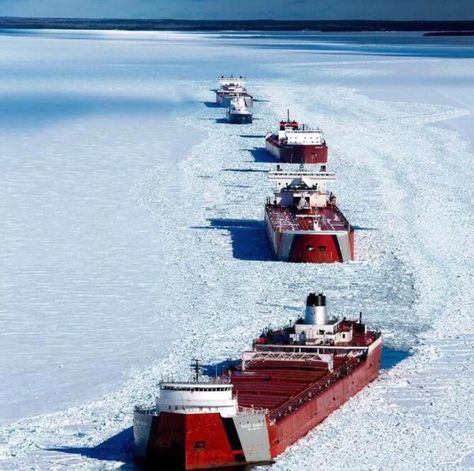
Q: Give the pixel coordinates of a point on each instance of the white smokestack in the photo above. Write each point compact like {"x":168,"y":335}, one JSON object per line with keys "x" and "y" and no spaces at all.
{"x":316,"y":313}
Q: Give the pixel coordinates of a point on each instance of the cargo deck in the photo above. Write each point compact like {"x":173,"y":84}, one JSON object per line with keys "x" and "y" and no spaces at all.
{"x":329,"y":219}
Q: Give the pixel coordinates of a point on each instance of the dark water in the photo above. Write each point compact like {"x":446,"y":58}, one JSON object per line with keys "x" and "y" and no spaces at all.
{"x":391,"y":357}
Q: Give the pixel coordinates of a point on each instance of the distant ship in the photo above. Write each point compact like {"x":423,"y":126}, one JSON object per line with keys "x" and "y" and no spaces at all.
{"x":229,"y":88}
{"x":303,"y":221}
{"x":288,"y":383}
{"x":240,"y":110}
{"x":297,"y":144}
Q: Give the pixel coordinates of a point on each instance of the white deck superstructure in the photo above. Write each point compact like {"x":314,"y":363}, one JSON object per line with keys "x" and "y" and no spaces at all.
{"x":229,"y":88}
{"x":301,"y":136}
{"x":197,"y":398}
{"x":232,"y":84}
{"x":306,"y":189}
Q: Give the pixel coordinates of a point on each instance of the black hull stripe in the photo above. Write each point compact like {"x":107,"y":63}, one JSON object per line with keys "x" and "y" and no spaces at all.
{"x":338,"y":247}
{"x":233,"y":437}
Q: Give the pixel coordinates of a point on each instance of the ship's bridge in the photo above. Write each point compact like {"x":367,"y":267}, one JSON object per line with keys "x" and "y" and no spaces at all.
{"x":232,"y":83}
{"x":318,"y":329}
{"x":303,"y":136}
{"x":197,"y":397}
{"x":293,"y":187}
{"x":321,"y":334}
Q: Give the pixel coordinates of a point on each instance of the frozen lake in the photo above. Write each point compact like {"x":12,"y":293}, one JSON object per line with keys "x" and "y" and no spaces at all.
{"x":132,"y":237}
{"x":81,"y":254}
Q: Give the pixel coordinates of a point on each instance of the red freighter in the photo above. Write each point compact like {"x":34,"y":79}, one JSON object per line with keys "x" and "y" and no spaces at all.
{"x":303,"y":221}
{"x":230,"y":88}
{"x":289,"y":382}
{"x":297,"y":144}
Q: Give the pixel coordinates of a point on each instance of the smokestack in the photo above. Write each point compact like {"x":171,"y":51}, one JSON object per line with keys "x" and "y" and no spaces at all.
{"x":316,"y":309}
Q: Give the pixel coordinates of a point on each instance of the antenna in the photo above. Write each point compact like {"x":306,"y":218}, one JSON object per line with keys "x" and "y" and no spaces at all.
{"x":195,"y":366}
{"x":288,"y":115}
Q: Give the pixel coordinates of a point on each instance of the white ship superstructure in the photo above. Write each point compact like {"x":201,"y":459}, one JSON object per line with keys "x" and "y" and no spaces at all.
{"x":240,"y":110}
{"x":229,"y":88}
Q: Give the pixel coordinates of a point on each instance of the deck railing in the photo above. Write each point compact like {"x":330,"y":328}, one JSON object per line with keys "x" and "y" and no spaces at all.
{"x":253,"y":410}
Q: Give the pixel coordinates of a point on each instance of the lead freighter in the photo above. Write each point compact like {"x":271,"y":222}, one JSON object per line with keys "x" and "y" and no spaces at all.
{"x":231,"y":87}
{"x":303,"y":221}
{"x":290,"y":381}
{"x":297,"y":144}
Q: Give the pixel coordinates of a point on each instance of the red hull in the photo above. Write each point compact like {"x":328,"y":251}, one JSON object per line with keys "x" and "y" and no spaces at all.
{"x":297,"y":154}
{"x":296,"y":400}
{"x":299,"y":244}
{"x":318,"y":248}
{"x":193,"y":441}
{"x":296,"y":425}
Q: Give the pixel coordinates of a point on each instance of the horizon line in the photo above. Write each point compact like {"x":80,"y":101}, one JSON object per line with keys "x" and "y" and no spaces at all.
{"x":250,"y":20}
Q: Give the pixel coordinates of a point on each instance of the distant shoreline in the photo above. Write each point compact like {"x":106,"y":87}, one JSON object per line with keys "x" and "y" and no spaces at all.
{"x":450,"y":33}
{"x":431,"y":28}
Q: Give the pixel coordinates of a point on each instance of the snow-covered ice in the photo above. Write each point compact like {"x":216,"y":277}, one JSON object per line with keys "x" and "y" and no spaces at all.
{"x":132,"y":236}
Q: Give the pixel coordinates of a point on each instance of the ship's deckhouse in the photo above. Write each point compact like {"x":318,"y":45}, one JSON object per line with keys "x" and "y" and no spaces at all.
{"x":301,"y":189}
{"x":229,"y":88}
{"x":309,"y":137}
{"x":232,"y":84}
{"x":195,"y":398}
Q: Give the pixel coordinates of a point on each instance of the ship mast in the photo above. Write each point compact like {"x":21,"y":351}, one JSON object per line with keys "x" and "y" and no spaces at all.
{"x":195,"y":366}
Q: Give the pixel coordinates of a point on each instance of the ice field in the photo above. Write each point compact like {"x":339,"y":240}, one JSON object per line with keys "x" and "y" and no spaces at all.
{"x":132,"y":236}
